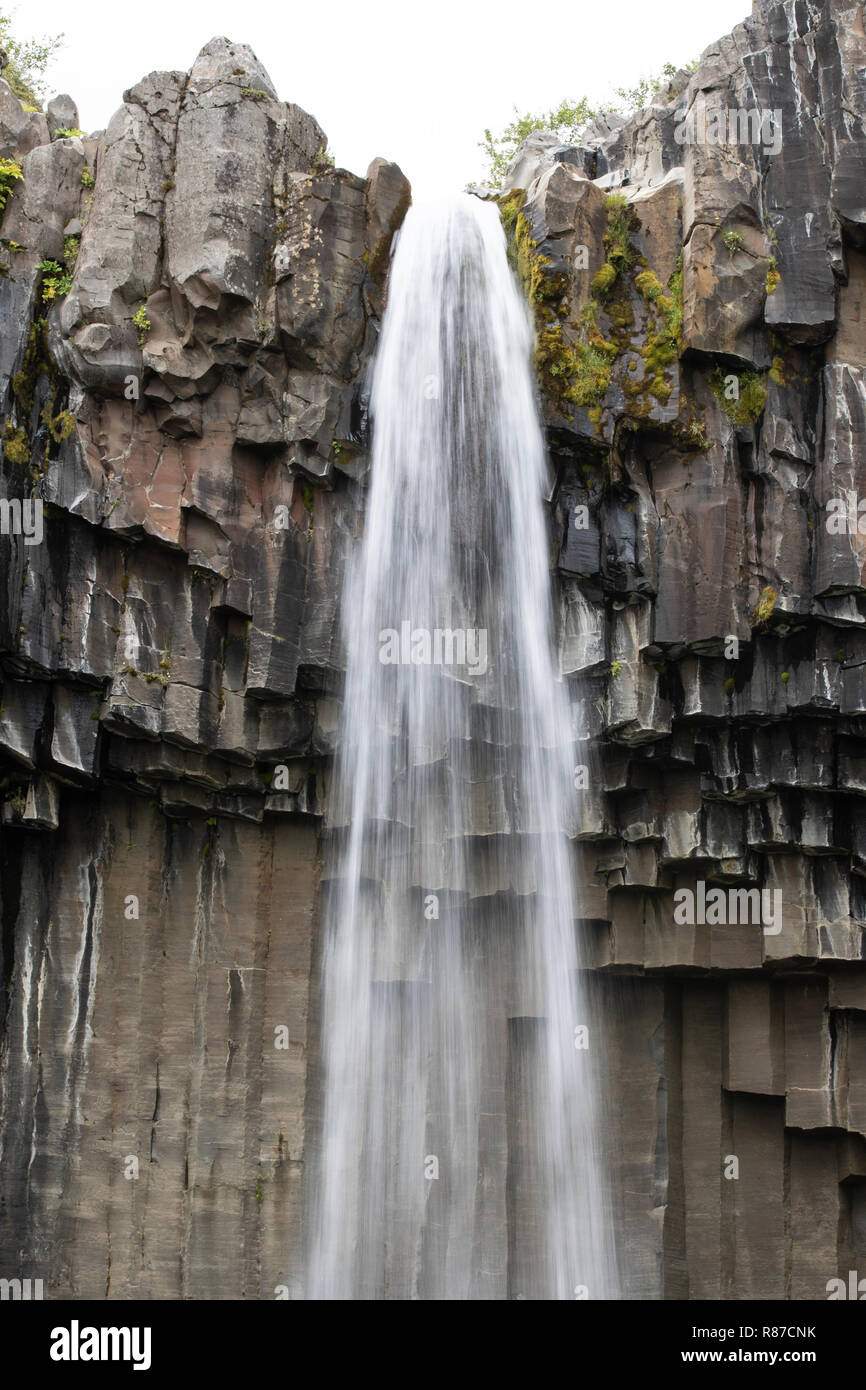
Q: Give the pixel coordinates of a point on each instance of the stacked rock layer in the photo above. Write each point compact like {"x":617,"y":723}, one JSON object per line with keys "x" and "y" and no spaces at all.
{"x":185,"y":393}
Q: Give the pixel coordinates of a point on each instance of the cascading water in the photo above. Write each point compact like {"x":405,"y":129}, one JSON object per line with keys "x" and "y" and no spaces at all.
{"x":459,"y":1154}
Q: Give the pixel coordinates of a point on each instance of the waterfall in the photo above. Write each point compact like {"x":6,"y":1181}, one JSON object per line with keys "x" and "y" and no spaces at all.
{"x":459,"y":1153}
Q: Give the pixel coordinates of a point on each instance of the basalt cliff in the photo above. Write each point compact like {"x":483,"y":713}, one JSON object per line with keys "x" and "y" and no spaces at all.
{"x":189,"y":306}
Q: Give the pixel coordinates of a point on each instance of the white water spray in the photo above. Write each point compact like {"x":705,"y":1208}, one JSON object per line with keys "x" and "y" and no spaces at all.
{"x":459,"y":1154}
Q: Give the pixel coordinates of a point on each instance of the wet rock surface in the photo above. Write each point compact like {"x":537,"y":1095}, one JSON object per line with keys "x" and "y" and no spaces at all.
{"x":191,"y":410}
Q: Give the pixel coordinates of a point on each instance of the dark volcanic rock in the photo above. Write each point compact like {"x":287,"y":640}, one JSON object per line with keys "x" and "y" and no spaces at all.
{"x":191,"y":415}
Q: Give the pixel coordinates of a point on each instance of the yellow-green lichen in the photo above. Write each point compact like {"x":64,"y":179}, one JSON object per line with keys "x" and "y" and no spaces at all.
{"x":61,"y":426}
{"x":765,"y":605}
{"x":16,"y":445}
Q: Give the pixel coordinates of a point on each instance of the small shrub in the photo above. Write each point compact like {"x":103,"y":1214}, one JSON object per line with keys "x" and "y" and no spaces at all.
{"x":733,"y":241}
{"x":10,"y":172}
{"x":56,"y":280}
{"x":322,"y":161}
{"x":142,"y":323}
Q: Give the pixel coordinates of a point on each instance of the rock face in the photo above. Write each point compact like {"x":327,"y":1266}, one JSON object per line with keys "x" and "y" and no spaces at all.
{"x":186,"y":396}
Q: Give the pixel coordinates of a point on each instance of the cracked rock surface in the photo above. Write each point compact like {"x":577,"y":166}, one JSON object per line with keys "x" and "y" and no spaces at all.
{"x":192,"y":413}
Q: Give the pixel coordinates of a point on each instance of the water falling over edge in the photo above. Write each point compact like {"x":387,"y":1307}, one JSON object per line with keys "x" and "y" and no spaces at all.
{"x":460,"y":1153}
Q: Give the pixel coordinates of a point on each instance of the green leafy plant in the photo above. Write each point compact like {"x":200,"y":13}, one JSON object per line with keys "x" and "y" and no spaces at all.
{"x":322,"y":161}
{"x":28,"y":60}
{"x":10,"y":172}
{"x":615,"y":668}
{"x":142,"y":323}
{"x":56,"y":280}
{"x":733,"y":240}
{"x":774,"y":279}
{"x":68,"y":133}
{"x":87,"y":178}
{"x":567,"y":121}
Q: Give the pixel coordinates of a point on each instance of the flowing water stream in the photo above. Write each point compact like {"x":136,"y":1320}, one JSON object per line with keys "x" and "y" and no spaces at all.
{"x":459,"y":1148}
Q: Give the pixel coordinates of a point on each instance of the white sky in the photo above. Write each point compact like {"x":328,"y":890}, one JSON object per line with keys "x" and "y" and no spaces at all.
{"x":416,"y":83}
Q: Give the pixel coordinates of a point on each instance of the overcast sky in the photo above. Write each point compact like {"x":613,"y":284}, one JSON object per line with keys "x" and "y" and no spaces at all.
{"x":414,"y":82}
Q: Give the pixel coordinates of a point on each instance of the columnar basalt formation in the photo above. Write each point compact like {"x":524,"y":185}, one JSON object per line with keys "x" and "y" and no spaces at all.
{"x":185,"y":392}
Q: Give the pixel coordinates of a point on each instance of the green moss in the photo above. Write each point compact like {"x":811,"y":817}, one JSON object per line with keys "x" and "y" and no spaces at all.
{"x":674,"y":315}
{"x":61,"y":426}
{"x":604,"y":279}
{"x":786,"y":676}
{"x":661,"y":389}
{"x":729,"y":686}
{"x":777,"y":371}
{"x":774,"y":279}
{"x":621,"y":221}
{"x":574,"y":360}
{"x":573,"y":372}
{"x":765,"y":605}
{"x":16,"y":445}
{"x":649,"y":286}
{"x":36,"y":360}
{"x":747,"y":406}
{"x":253,"y":94}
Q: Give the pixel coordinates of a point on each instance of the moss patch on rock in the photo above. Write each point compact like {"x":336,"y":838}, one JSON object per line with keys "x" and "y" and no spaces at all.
{"x":742,"y":395}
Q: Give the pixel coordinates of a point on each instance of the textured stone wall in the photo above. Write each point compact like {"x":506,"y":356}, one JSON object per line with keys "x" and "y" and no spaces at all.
{"x":171,"y":656}
{"x":690,"y":511}
{"x":169,"y":653}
